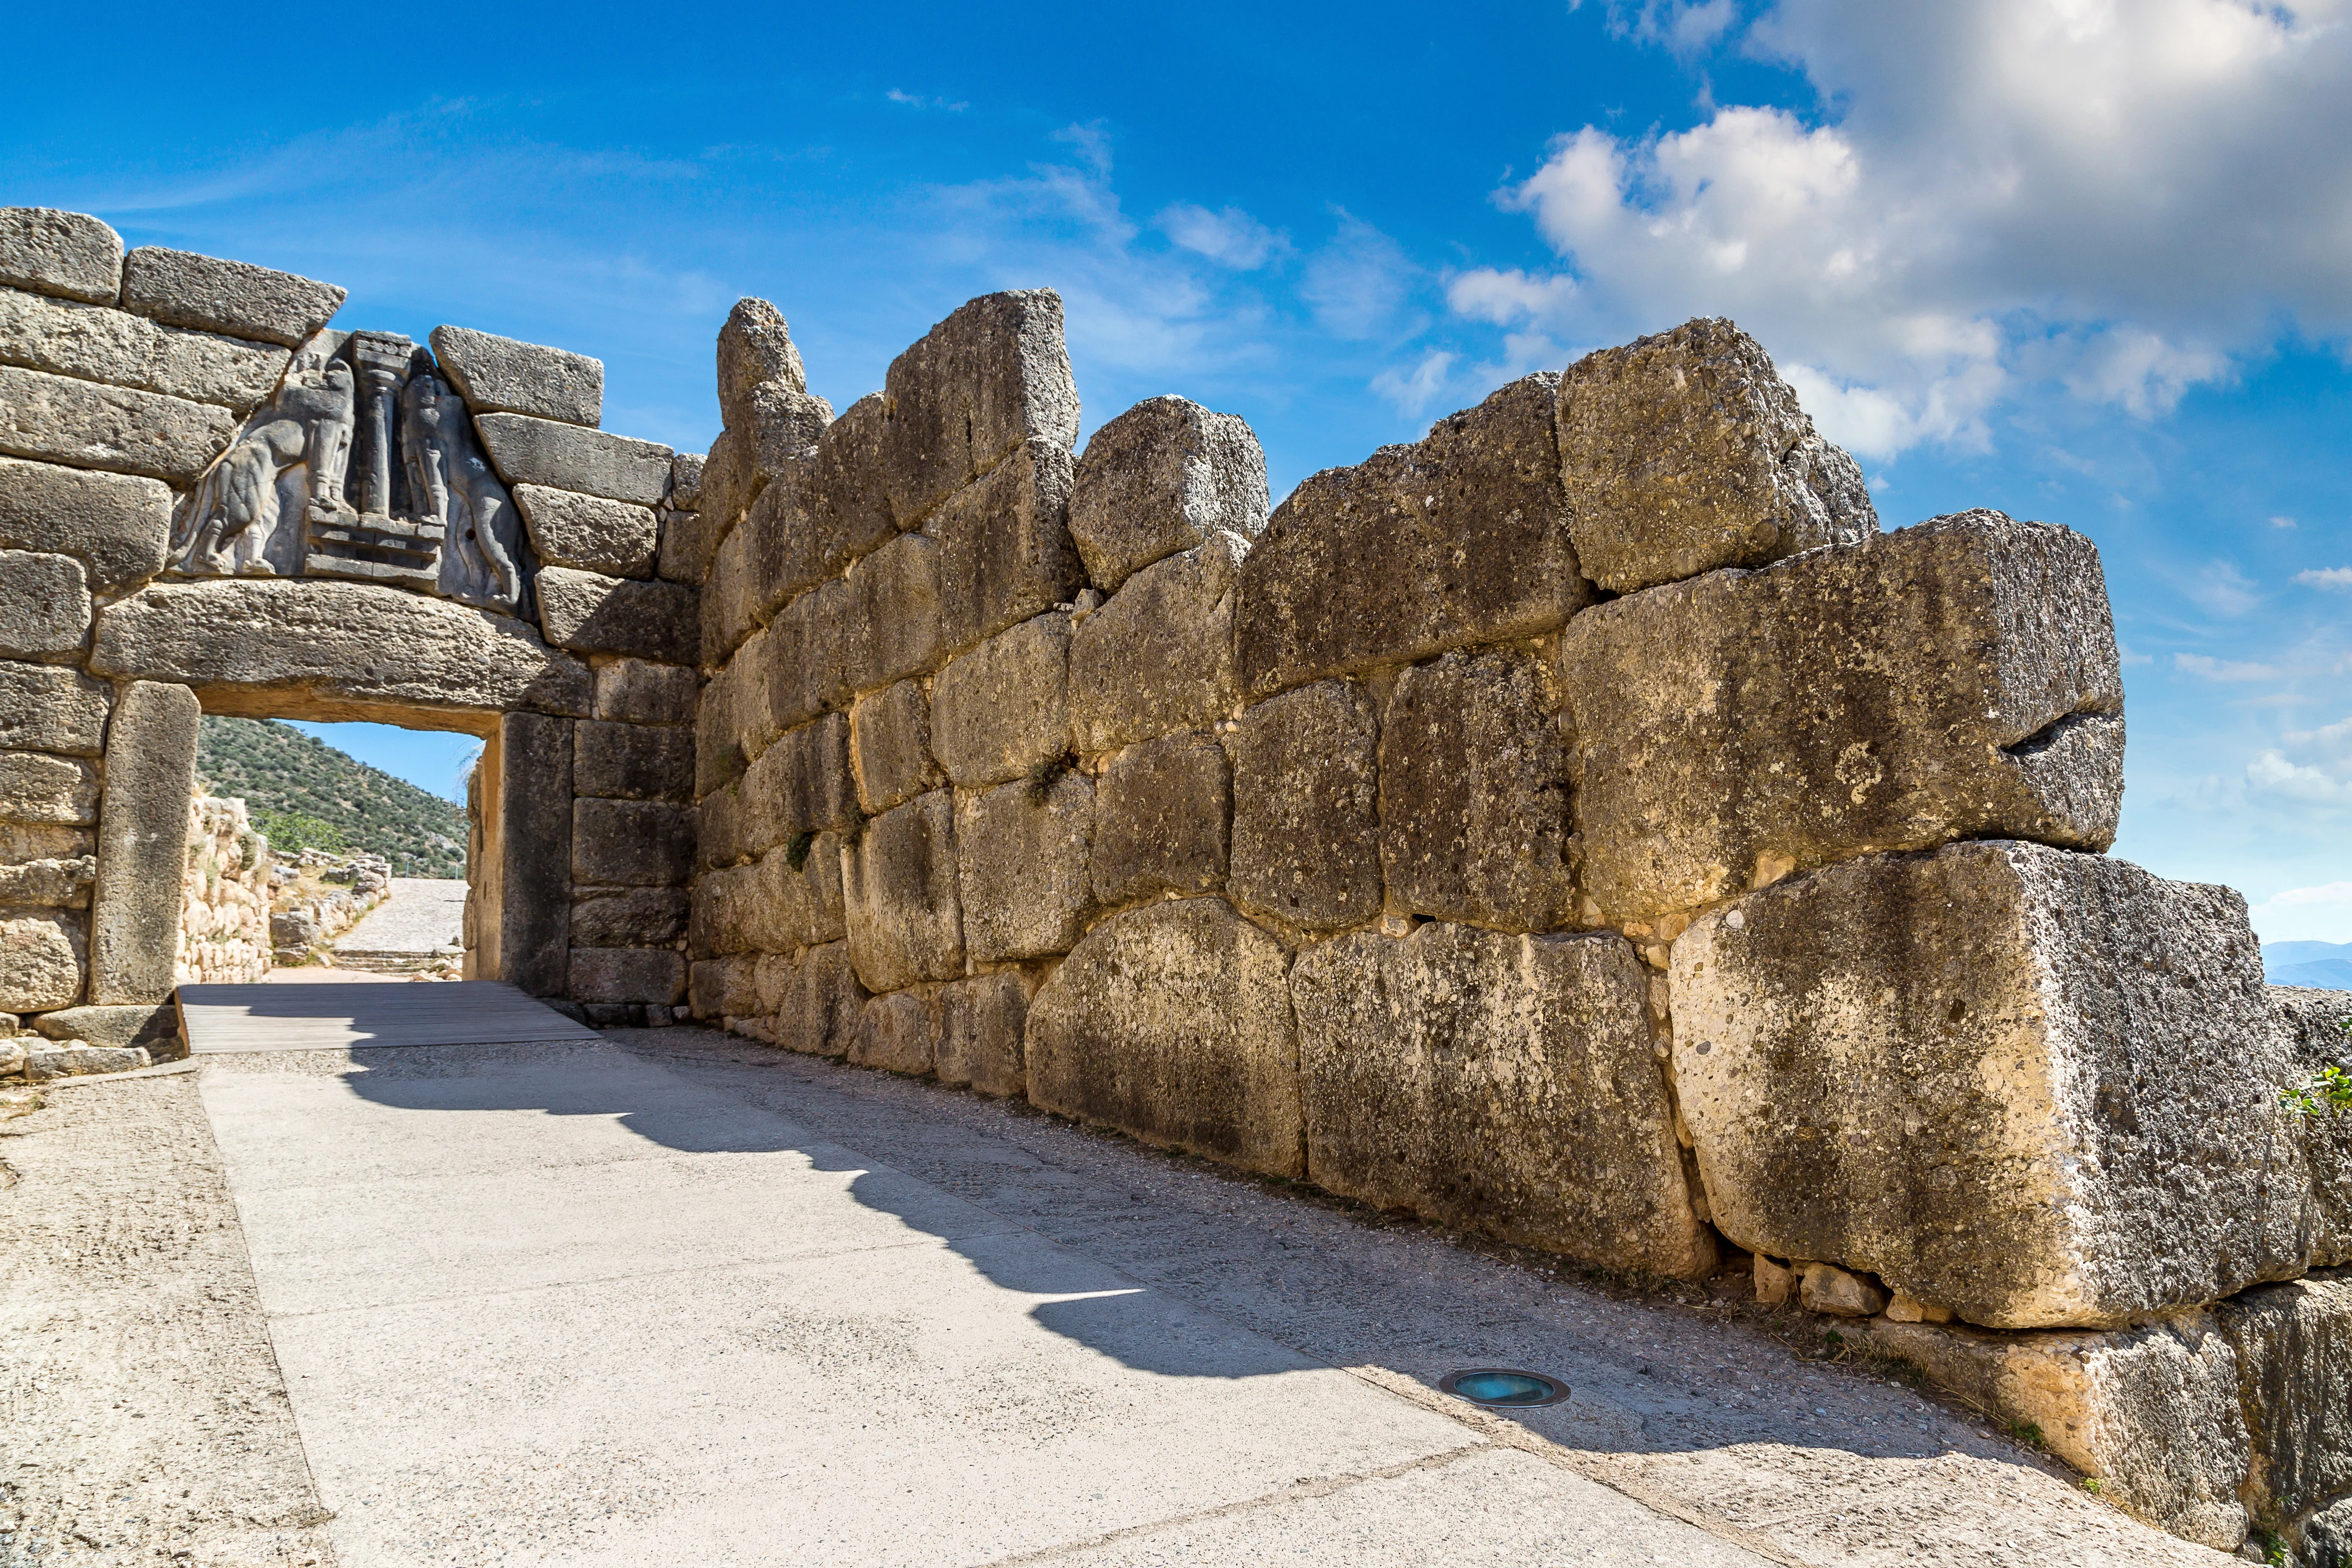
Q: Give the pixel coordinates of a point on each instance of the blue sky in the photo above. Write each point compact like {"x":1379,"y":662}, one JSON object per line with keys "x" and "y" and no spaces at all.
{"x":2085,"y":260}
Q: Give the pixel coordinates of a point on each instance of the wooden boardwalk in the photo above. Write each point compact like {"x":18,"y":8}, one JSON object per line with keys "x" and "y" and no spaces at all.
{"x":221,"y":1018}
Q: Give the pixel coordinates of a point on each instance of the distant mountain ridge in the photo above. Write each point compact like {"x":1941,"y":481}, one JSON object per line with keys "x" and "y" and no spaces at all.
{"x":2325,"y":964}
{"x":276,"y":769}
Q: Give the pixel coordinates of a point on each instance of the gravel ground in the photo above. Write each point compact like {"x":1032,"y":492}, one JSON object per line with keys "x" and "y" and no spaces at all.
{"x":423,"y":914}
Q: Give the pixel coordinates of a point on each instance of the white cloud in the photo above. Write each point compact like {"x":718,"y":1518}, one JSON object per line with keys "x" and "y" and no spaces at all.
{"x":2216,"y":587}
{"x":915,"y":101}
{"x":1358,"y":284}
{"x":2327,"y":893}
{"x":2282,"y":522}
{"x":2103,"y":195}
{"x":1231,"y":237}
{"x":2337,"y":577}
{"x":1413,"y":390}
{"x":2225,"y":669}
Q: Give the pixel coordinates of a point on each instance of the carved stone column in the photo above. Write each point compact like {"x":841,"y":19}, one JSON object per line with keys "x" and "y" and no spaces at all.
{"x":382,"y":359}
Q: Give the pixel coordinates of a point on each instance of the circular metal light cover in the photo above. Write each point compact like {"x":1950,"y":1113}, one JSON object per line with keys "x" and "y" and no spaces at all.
{"x":1503,"y":1388}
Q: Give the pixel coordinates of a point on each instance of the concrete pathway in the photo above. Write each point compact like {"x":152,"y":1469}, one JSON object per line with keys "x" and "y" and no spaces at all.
{"x":673,"y":1300}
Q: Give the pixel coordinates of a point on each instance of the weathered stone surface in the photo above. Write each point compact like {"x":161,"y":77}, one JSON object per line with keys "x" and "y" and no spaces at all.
{"x":503,"y":375}
{"x":800,"y":784}
{"x":78,"y":1059}
{"x":686,"y":480}
{"x":2310,"y":1025}
{"x":899,"y":1033}
{"x":893,"y":614}
{"x":981,"y":1024}
{"x":788,"y":899}
{"x":43,"y":954}
{"x":1957,"y":679}
{"x":653,"y":916}
{"x":2293,"y":1347}
{"x":117,"y":525}
{"x":1172,"y":1022}
{"x":1826,"y":1287}
{"x":1022,"y":853}
{"x":728,"y":604}
{"x":627,"y":975}
{"x":719,"y":827}
{"x":2150,"y":1412}
{"x":781,"y":428}
{"x":26,"y":841}
{"x":1461,"y":538}
{"x":589,"y":613}
{"x":1503,"y":1082}
{"x":63,"y":883}
{"x":37,"y":788}
{"x":1159,"y":657}
{"x":185,"y":289}
{"x":633,"y":762}
{"x":1685,"y":452}
{"x":993,"y":374}
{"x":688,"y":540}
{"x":634,"y":691}
{"x":143,"y":844}
{"x":842,"y":510}
{"x":1474,"y":793}
{"x":1004,"y":546}
{"x":1161,"y":813}
{"x":724,"y":988}
{"x":733,"y":724}
{"x":139,"y":1024}
{"x":631,"y":844}
{"x":58,"y":419}
{"x":1163,"y":477}
{"x":528,"y":451}
{"x":535,"y":853}
{"x":726,"y":485}
{"x":814,"y":999}
{"x":589,"y":532}
{"x":337,"y":651}
{"x":1003,"y":711}
{"x":755,"y":350}
{"x":808,"y":654}
{"x":71,"y":254}
{"x":1306,"y":843}
{"x":43,"y":606}
{"x":95,"y":344}
{"x":898,"y":882}
{"x":2038,"y":1087}
{"x":891,"y":746}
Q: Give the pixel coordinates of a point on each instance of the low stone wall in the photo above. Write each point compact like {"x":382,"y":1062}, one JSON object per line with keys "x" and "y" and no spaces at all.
{"x":225,"y":898}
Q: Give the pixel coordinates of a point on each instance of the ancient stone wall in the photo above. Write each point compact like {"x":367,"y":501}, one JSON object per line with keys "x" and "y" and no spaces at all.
{"x":223,"y":897}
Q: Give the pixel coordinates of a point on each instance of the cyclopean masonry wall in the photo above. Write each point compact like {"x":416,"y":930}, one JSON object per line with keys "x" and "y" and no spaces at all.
{"x":1582,"y":823}
{"x":210,"y":499}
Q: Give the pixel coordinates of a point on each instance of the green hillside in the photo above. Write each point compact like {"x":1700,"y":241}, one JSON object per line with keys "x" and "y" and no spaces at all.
{"x":302,"y":791}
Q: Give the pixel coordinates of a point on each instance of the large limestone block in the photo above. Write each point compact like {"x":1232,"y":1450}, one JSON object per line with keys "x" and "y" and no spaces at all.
{"x":788,"y":899}
{"x":1159,"y":657}
{"x":38,"y":789}
{"x":726,"y":485}
{"x":633,"y":762}
{"x":83,"y":425}
{"x":724,"y":989}
{"x":898,"y":884}
{"x":64,"y":884}
{"x":43,"y":953}
{"x":893,"y":614}
{"x":1685,"y":452}
{"x":813,"y":999}
{"x":143,"y":844}
{"x":891,"y":746}
{"x":337,"y":651}
{"x":2311,"y":1031}
{"x":117,"y":525}
{"x":993,"y":375}
{"x":1162,"y":811}
{"x":1306,"y":839}
{"x":899,"y":1033}
{"x":639,"y":975}
{"x":588,"y":612}
{"x":631,"y":844}
{"x":185,"y":289}
{"x":528,"y":451}
{"x":808,"y":655}
{"x":43,"y":606}
{"x":641,"y":916}
{"x":1172,"y":1022}
{"x":727,"y":605}
{"x":502,"y":375}
{"x":1004,"y":546}
{"x":1506,"y":1083}
{"x":1461,"y":538}
{"x":1022,"y":857}
{"x":733,"y":723}
{"x":2150,"y":1413}
{"x":982,"y":1021}
{"x":2293,"y":1345}
{"x":688,"y":540}
{"x":719,"y":827}
{"x":636,"y":691}
{"x":781,"y":429}
{"x":1165,"y":476}
{"x":800,"y":784}
{"x":1474,"y":793}
{"x":613,"y":537}
{"x":116,"y":1028}
{"x":2037,"y":1087}
{"x":26,"y":841}
{"x":535,"y":852}
{"x":1003,"y":711}
{"x":844,"y":511}
{"x":755,"y":350}
{"x":95,"y":344}
{"x":1957,"y":679}
{"x":71,"y":254}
